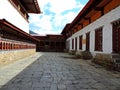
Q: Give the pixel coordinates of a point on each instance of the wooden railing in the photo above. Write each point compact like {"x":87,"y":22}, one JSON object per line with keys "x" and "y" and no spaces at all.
{"x":6,"y":44}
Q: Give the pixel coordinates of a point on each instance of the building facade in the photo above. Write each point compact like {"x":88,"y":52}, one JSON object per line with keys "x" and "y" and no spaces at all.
{"x":50,"y":43}
{"x":95,"y":29}
{"x":95,"y":33}
{"x":16,"y":12}
{"x":14,"y":26}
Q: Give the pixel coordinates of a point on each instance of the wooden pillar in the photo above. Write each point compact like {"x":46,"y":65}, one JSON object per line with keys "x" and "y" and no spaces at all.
{"x":6,"y":45}
{"x":14,"y":46}
{"x":0,"y":45}
{"x":10,"y":46}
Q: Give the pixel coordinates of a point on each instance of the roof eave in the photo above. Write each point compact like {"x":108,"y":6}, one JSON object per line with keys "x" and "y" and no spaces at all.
{"x":4,"y":22}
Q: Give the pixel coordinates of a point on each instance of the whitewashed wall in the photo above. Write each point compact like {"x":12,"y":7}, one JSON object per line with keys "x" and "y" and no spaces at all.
{"x":104,"y":21}
{"x":8,"y":12}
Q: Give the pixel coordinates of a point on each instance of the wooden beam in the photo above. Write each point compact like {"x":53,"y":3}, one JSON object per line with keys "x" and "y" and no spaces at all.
{"x":98,"y":8}
{"x":101,"y":9}
{"x":88,"y":18}
{"x":80,"y":24}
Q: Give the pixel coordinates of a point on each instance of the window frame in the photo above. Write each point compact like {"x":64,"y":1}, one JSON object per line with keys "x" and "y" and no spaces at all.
{"x":99,"y":39}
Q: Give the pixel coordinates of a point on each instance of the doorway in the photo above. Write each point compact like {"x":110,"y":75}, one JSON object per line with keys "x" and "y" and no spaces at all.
{"x":116,"y":37}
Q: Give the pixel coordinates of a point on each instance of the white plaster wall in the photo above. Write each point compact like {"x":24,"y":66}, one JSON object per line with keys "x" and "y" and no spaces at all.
{"x":8,"y":12}
{"x":73,"y":43}
{"x":77,"y":43}
{"x":105,"y":22}
{"x":70,"y":44}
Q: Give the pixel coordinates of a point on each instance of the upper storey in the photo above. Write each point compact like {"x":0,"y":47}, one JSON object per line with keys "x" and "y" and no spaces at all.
{"x":31,"y":6}
{"x":26,"y":6}
{"x":92,"y":11}
{"x":16,"y":12}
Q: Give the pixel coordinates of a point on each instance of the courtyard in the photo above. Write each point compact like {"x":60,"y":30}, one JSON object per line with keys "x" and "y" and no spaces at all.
{"x":57,"y":71}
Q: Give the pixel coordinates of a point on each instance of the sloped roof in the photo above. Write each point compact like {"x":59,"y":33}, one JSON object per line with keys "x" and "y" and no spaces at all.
{"x":87,"y":10}
{"x":15,"y":30}
{"x":31,"y":6}
{"x":65,"y":28}
{"x":90,"y":9}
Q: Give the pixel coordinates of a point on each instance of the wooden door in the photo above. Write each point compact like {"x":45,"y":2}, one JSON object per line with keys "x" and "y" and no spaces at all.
{"x":76,"y":43}
{"x":72,"y":43}
{"x":87,"y":41}
{"x":80,"y":42}
{"x":116,"y":37}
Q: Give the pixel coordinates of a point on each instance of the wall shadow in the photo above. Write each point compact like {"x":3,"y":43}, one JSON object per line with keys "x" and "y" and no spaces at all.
{"x":25,"y":79}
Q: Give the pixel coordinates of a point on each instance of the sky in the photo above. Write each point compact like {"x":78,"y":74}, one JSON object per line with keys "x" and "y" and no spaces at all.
{"x":55,"y":15}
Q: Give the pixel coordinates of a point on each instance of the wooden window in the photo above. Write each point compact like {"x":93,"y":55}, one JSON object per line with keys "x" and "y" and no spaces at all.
{"x":52,"y":45}
{"x":98,"y":39}
{"x":76,"y":43}
{"x":68,"y":44}
{"x":87,"y":41}
{"x":116,"y":36}
{"x":72,"y":43}
{"x":80,"y":42}
{"x":41,"y":43}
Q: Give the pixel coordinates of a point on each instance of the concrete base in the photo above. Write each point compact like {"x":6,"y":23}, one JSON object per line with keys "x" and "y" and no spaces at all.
{"x":106,"y":60}
{"x":11,"y":56}
{"x":72,"y":52}
{"x":83,"y":54}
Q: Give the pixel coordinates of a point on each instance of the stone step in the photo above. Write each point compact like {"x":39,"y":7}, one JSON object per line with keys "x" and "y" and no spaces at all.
{"x":117,"y":60}
{"x":115,"y":55}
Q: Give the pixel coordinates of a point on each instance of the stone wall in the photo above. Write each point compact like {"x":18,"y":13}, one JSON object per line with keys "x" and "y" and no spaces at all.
{"x":106,"y":60}
{"x":81,"y":54}
{"x":71,"y":52}
{"x":7,"y":57}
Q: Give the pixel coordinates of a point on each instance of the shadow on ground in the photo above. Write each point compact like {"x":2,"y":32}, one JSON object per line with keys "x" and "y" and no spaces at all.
{"x":60,"y":71}
{"x":25,"y":79}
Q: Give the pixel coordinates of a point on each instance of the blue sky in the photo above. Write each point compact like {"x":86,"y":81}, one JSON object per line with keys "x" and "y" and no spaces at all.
{"x":56,"y":14}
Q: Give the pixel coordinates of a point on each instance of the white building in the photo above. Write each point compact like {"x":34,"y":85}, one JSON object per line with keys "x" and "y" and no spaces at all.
{"x":14,"y":29}
{"x":96,"y":29}
{"x":16,"y":12}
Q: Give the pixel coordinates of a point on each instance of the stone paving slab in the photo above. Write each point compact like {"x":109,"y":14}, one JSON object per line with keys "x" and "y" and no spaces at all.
{"x":52,"y":71}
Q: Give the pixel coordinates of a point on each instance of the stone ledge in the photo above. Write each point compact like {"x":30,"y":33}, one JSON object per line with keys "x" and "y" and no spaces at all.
{"x":106,"y":61}
{"x":84,"y":54}
{"x":11,"y":56}
{"x":72,"y":52}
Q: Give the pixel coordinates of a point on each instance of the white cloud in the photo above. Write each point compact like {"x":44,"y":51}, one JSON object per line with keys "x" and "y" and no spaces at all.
{"x":61,"y":20}
{"x":43,"y":23}
{"x":58,"y":6}
{"x":52,"y":24}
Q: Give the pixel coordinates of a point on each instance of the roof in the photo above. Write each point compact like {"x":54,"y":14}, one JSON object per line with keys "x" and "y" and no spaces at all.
{"x":31,"y":32}
{"x":90,"y":9}
{"x":15,"y":30}
{"x":65,"y":28}
{"x":95,"y":5}
{"x":49,"y":36}
{"x":31,"y":6}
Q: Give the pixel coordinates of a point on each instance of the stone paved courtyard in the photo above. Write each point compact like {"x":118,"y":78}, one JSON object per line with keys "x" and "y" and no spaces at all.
{"x":57,"y":71}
